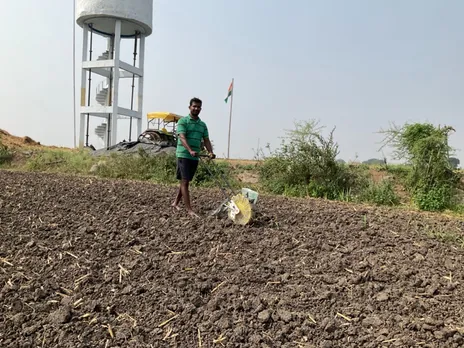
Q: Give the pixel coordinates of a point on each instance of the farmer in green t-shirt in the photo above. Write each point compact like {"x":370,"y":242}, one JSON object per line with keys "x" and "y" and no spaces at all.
{"x":191,"y":131}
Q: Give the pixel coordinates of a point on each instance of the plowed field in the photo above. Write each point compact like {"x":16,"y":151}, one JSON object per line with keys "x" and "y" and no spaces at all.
{"x":94,"y":263}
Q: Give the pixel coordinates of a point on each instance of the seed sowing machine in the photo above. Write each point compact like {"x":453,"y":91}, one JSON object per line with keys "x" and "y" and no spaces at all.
{"x":238,"y":206}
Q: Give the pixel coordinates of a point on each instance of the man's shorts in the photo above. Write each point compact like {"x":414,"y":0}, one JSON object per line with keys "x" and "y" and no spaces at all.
{"x":186,"y":168}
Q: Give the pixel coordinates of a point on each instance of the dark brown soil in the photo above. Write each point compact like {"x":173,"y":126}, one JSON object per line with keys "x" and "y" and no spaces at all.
{"x":92,"y":263}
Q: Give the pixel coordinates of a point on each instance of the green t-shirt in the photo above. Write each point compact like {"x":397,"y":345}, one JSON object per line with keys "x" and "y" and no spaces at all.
{"x":195,"y":131}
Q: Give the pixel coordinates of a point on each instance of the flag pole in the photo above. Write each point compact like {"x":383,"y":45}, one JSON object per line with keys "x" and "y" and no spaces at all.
{"x":230,"y":117}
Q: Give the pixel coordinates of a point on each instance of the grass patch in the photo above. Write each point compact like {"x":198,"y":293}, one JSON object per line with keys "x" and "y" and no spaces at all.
{"x":446,"y":236}
{"x":140,"y":166}
{"x":459,"y":209}
{"x":399,"y":172}
{"x":246,"y":167}
{"x":52,"y":160}
{"x":160,"y":169}
{"x":382,"y":193}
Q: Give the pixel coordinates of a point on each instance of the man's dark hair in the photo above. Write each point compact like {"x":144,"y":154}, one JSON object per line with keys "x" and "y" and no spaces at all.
{"x":195,"y":100}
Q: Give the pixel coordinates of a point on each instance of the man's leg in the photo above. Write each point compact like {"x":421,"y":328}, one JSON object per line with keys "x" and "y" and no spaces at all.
{"x":178,"y":198}
{"x":185,"y":171}
{"x":179,"y":191}
{"x":184,"y":185}
{"x":190,"y":167}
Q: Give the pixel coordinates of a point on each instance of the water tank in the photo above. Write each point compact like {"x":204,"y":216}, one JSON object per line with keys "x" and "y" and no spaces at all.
{"x":135,"y":15}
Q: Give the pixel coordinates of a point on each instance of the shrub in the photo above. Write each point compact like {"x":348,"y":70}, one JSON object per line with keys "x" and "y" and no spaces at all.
{"x":431,"y":181}
{"x":306,"y":165}
{"x":5,"y":154}
{"x":382,"y":193}
{"x":434,"y":198}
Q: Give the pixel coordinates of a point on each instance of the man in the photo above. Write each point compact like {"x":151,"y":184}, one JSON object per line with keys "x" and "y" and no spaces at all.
{"x":191,"y":131}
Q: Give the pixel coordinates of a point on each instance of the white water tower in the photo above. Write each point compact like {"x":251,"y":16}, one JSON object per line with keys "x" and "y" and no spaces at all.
{"x":113,"y":20}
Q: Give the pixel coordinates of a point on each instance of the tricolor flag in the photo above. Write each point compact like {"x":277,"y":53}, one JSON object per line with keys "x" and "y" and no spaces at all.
{"x":229,"y":92}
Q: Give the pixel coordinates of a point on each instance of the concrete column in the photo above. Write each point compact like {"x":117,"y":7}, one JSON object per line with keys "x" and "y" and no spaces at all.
{"x":108,"y":47}
{"x":115,"y":101}
{"x":85,"y":44}
{"x":140,"y":89}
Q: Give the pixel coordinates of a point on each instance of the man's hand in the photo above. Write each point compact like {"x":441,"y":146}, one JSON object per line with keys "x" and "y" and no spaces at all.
{"x":193,"y":153}
{"x":212,"y":155}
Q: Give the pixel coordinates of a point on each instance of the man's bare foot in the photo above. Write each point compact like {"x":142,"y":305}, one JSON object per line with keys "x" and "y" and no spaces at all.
{"x":193,"y":214}
{"x":175,"y":206}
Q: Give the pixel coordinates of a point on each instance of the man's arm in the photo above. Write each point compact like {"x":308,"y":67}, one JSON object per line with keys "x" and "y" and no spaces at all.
{"x":209,"y":147}
{"x":183,"y":140}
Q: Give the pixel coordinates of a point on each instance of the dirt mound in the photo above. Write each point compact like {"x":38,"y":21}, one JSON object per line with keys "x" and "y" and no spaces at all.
{"x":4,"y":132}
{"x":30,"y":141}
{"x":14,"y":141}
{"x":96,"y":263}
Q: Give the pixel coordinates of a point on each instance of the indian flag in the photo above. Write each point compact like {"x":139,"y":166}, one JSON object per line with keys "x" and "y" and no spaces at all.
{"x":229,"y":92}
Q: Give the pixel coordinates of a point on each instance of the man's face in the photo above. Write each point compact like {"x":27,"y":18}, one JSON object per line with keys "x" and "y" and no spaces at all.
{"x":195,"y":109}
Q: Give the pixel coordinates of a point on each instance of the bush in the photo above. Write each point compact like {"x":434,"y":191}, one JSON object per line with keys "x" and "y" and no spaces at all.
{"x":273,"y":175}
{"x":5,"y":154}
{"x":306,"y":165}
{"x":431,"y":181}
{"x":434,"y":199}
{"x":382,"y":193}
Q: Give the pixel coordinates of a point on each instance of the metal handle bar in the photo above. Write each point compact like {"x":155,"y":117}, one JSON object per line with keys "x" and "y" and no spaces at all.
{"x":224,"y":180}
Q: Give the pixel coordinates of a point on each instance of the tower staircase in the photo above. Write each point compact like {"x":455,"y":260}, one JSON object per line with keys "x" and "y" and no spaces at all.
{"x":102,"y":91}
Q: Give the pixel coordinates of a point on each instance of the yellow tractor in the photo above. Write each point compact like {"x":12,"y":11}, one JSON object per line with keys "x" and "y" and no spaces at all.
{"x":161,"y":128}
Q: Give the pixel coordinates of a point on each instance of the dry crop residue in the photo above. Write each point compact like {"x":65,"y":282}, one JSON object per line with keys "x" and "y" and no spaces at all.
{"x":97,"y":263}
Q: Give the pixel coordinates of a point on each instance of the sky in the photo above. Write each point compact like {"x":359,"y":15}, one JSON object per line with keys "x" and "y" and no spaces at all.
{"x":356,"y":65}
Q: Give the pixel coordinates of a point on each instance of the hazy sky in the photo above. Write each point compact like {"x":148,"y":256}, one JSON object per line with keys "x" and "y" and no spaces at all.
{"x":356,"y":65}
